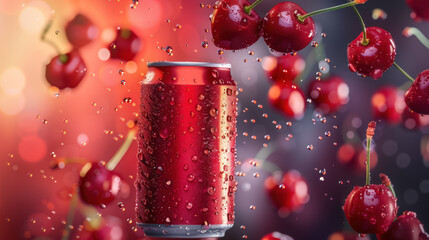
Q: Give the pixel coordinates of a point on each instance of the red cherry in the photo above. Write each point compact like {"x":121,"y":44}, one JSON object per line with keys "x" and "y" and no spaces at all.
{"x":420,"y":8}
{"x":81,"y":31}
{"x":66,"y":70}
{"x":374,"y":58}
{"x":353,"y":156}
{"x":288,"y":194}
{"x":232,"y":27}
{"x":370,"y":209}
{"x":276,"y":236}
{"x":329,"y":95}
{"x":417,"y":96}
{"x":288,"y":99}
{"x":125,"y":46}
{"x":99,"y":185}
{"x":284,"y":69}
{"x":407,"y":226}
{"x":388,"y":104}
{"x":283,"y":32}
{"x":412,"y":120}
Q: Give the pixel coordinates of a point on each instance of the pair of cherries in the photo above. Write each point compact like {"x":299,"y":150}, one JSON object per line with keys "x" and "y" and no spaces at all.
{"x":67,"y":70}
{"x":372,"y":209}
{"x":388,"y":104}
{"x":285,"y":28}
{"x":328,"y":95}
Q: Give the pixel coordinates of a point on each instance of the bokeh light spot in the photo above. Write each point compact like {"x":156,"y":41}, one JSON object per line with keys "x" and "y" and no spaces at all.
{"x":31,"y":148}
{"x":12,"y":81}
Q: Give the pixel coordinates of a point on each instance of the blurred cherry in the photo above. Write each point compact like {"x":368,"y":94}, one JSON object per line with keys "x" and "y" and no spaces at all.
{"x":374,"y":55}
{"x":66,"y":70}
{"x":388,"y":104}
{"x":288,"y":193}
{"x":125,"y":46}
{"x":353,"y":156}
{"x":234,"y":26}
{"x":414,"y":121}
{"x":284,"y":69}
{"x":329,"y":95}
{"x":284,"y":32}
{"x":110,"y":228}
{"x":99,"y":186}
{"x":347,"y":236}
{"x":288,"y":99}
{"x":420,"y":9}
{"x":417,"y":96}
{"x":80,"y":31}
{"x":276,"y":236}
{"x":407,"y":226}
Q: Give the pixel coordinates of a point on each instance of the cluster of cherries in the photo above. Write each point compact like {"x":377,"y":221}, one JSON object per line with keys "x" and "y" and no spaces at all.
{"x":66,"y":70}
{"x":288,"y":28}
{"x":372,"y":209}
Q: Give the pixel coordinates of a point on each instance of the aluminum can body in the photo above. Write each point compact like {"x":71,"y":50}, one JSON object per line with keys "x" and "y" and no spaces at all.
{"x":186,"y":150}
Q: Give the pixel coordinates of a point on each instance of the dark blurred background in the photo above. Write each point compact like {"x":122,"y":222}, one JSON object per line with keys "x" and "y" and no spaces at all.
{"x":90,"y":121}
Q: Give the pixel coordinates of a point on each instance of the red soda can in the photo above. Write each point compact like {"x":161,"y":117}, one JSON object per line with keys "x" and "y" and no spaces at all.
{"x":186,"y":150}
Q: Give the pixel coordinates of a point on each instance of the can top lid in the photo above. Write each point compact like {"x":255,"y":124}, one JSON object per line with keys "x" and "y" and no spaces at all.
{"x":191,"y":64}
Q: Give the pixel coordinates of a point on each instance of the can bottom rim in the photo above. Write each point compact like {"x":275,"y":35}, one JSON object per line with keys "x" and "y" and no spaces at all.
{"x":184,"y":231}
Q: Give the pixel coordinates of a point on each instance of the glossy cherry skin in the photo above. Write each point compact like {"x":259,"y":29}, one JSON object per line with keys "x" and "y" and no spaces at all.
{"x":329,"y":95}
{"x":353,"y":156}
{"x":374,"y":58}
{"x":99,"y":185}
{"x":407,"y":226}
{"x":288,"y":194}
{"x":283,"y":32}
{"x":288,"y":99}
{"x":414,"y":121}
{"x":125,"y":46}
{"x":388,"y":104}
{"x":67,"y":74}
{"x":284,"y":69}
{"x":417,"y":96}
{"x":276,"y":236}
{"x":420,"y":8}
{"x":370,"y":209}
{"x":80,"y":31}
{"x":232,"y":28}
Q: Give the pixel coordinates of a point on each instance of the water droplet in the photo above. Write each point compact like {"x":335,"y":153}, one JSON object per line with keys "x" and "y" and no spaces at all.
{"x":204,"y":44}
{"x":310,"y":147}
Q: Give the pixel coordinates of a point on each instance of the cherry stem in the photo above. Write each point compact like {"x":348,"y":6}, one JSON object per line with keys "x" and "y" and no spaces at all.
{"x":369,"y":134}
{"x":365,"y":40}
{"x":386,"y":182}
{"x":410,"y":31}
{"x":403,"y":72}
{"x":63,"y":57}
{"x":301,"y":18}
{"x":122,"y":150}
{"x":70,"y":215}
{"x":247,"y":9}
{"x":262,"y":156}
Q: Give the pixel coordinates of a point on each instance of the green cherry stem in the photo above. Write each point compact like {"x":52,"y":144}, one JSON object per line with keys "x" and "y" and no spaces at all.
{"x":386,"y":182}
{"x":369,"y":134}
{"x":247,"y":9}
{"x":122,"y":150}
{"x":63,"y":57}
{"x":403,"y":72}
{"x":70,"y":216}
{"x":301,"y":18}
{"x":412,"y":31}
{"x":262,"y":156}
{"x":365,"y":40}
